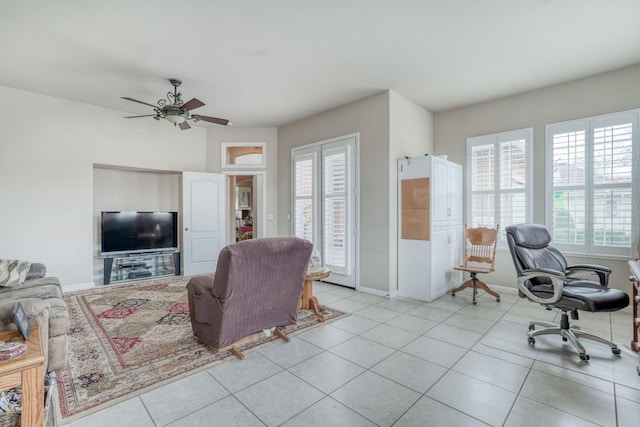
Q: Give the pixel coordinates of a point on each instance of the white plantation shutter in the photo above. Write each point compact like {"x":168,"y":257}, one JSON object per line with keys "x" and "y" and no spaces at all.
{"x":591,"y":181}
{"x":569,"y":186}
{"x":335,"y":208}
{"x":498,"y":177}
{"x":304,"y":167}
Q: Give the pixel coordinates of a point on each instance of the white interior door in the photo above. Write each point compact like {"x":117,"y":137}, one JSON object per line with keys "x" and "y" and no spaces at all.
{"x":203,"y":219}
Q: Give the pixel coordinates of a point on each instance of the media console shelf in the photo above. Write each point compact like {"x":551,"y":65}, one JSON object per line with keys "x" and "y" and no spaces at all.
{"x":139,"y":266}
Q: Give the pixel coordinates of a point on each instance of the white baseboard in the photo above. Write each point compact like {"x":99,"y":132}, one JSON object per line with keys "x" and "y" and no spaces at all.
{"x":78,"y":287}
{"x":373,"y":291}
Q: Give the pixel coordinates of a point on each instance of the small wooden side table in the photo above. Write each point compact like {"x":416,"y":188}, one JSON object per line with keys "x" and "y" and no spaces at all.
{"x":26,"y":370}
{"x":309,"y":302}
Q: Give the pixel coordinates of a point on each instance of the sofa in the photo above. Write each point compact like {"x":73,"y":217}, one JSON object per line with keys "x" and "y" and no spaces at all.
{"x":257,"y":286}
{"x":41,"y":297}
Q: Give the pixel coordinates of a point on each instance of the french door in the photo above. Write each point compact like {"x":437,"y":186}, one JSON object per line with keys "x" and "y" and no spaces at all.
{"x":325,"y":203}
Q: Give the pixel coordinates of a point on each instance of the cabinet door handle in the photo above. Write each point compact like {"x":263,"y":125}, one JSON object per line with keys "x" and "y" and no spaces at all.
{"x":186,"y":229}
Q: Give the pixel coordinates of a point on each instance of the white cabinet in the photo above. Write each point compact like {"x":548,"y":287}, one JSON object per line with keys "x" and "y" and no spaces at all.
{"x":430,"y":227}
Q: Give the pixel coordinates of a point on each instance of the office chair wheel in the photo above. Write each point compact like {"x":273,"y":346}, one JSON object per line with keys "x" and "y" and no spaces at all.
{"x":532,"y":327}
{"x":585,"y":357}
{"x":564,"y":339}
{"x":615,"y":350}
{"x":532,"y":340}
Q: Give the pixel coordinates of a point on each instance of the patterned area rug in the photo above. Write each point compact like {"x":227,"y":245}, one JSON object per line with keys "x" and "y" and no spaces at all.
{"x":127,"y":339}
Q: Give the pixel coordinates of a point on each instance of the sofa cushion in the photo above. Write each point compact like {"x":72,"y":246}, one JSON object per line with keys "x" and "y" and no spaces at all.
{"x":33,"y":283}
{"x":40,"y":292}
{"x":13,"y":272}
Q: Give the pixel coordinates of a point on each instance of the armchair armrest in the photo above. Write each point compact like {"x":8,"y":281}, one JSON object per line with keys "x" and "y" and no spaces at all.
{"x":602,"y":272}
{"x":557,"y":280}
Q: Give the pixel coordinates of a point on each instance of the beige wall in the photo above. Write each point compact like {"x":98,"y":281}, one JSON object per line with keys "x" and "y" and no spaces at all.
{"x":48,"y":147}
{"x":269,"y":135}
{"x":606,"y":93}
{"x":389,"y":126}
{"x":370,"y":118}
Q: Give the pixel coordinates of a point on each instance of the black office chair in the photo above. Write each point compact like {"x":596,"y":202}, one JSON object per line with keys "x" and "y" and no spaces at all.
{"x":544,"y":277}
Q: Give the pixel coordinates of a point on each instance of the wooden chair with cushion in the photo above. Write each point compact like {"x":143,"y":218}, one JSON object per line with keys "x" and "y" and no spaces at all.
{"x":480,"y":256}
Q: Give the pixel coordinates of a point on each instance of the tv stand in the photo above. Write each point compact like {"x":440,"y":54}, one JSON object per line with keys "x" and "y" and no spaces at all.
{"x":138,"y":266}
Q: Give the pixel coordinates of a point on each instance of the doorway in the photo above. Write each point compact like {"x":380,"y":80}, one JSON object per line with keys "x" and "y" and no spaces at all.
{"x":325,"y":203}
{"x":246,"y":205}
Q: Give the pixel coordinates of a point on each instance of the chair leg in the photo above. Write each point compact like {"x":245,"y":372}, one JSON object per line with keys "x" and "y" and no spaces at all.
{"x":474,"y":283}
{"x":588,"y":336}
{"x":465,"y":285}
{"x":568,"y":333}
{"x":277,"y":332}
{"x":471,"y":283}
{"x":480,"y":284}
{"x":237,"y":353}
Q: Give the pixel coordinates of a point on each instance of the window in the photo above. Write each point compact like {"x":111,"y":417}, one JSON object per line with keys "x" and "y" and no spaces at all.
{"x":498,"y":179}
{"x":242,"y":155}
{"x":592,"y":175}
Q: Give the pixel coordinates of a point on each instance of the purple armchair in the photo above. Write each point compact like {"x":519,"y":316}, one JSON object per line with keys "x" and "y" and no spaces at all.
{"x":257,"y":286}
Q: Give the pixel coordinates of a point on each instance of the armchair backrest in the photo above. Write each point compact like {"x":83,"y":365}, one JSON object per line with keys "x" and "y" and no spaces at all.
{"x":257,"y":285}
{"x":530,"y":247}
{"x":262,"y":274}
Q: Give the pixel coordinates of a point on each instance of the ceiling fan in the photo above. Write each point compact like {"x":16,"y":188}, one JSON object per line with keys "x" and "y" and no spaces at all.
{"x":175,"y":110}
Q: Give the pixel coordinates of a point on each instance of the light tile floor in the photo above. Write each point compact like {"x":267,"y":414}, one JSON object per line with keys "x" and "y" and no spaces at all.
{"x":402,"y":362}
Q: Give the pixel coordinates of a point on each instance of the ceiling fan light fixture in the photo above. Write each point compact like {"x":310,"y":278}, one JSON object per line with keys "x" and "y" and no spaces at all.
{"x":176,"y":119}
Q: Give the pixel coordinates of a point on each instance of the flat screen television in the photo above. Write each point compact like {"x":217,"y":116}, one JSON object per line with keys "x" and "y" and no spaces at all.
{"x":137,"y":232}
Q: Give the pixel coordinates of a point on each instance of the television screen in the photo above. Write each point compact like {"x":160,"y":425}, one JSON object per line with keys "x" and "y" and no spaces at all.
{"x":139,"y":231}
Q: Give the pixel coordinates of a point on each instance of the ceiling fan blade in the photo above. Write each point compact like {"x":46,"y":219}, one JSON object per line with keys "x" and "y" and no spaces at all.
{"x":216,"y":120}
{"x":184,"y":126}
{"x":193,"y":104}
{"x":139,"y":102}
{"x":135,"y":117}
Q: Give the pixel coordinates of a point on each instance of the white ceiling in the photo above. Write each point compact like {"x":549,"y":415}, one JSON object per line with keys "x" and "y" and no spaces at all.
{"x":269,"y":62}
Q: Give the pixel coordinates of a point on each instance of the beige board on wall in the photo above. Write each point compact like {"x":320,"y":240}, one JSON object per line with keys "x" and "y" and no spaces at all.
{"x":415,"y":209}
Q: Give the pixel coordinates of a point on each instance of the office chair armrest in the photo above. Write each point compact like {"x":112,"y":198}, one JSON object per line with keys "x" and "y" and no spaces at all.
{"x":557,"y":280}
{"x":601,"y":271}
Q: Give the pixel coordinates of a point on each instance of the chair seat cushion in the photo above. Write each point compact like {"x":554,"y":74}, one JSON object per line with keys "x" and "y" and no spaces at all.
{"x":592,"y":299}
{"x":469,"y":269}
